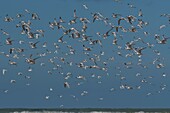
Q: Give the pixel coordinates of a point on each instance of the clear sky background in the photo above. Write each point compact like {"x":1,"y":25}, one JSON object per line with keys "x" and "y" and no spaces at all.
{"x":32,"y":92}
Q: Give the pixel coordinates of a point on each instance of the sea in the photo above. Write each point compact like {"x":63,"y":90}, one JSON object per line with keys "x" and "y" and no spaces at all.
{"x":84,"y":110}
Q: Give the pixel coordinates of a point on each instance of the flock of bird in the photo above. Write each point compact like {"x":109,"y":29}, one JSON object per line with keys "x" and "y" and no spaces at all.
{"x":84,"y":49}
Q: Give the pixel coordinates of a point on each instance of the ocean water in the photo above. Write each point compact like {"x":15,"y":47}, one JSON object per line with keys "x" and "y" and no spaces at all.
{"x":86,"y":110}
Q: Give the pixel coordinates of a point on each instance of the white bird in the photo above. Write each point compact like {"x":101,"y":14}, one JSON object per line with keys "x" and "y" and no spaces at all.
{"x":85,"y":6}
{"x":164,"y":75}
{"x":19,"y":73}
{"x":148,"y":94}
{"x":6,"y":91}
{"x":29,"y":69}
{"x":47,"y":97}
{"x":4,"y":71}
{"x":51,"y":89}
{"x":13,"y":81}
{"x":26,"y":10}
{"x":162,"y":26}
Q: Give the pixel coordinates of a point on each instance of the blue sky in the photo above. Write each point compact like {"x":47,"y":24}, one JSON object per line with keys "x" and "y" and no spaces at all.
{"x":32,"y":88}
